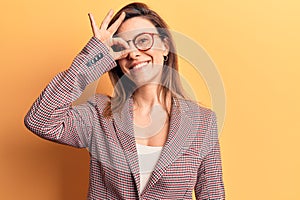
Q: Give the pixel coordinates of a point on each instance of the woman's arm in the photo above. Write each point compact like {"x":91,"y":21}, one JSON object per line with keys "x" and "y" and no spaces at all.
{"x":209,"y":184}
{"x":52,"y":116}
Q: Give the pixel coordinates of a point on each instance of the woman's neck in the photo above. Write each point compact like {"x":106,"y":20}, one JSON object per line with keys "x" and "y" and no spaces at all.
{"x":146,"y":96}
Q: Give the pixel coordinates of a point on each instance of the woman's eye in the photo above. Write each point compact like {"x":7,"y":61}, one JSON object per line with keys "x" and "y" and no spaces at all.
{"x":144,"y":40}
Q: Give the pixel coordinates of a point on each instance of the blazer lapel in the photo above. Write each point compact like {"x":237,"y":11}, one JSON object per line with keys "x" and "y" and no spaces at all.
{"x":125,"y":133}
{"x":177,"y":141}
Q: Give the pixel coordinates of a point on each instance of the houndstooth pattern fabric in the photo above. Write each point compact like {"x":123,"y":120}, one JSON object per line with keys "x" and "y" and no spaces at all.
{"x":190,"y":158}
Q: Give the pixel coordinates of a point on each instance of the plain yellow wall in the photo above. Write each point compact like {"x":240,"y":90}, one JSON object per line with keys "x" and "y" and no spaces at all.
{"x":255,"y":45}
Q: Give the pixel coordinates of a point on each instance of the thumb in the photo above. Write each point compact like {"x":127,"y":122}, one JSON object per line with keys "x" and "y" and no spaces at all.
{"x":121,"y":54}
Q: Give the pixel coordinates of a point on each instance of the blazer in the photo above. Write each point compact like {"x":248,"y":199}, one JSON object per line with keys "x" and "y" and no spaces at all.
{"x":190,"y":158}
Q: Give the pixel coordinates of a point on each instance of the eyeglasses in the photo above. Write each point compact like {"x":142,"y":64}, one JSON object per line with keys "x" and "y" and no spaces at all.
{"x":142,"y":41}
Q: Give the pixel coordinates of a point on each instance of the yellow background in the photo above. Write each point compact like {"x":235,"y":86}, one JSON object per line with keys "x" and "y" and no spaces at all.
{"x":255,"y":45}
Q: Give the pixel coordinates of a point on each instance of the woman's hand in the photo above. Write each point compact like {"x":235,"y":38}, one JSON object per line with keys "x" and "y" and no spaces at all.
{"x":104,"y":34}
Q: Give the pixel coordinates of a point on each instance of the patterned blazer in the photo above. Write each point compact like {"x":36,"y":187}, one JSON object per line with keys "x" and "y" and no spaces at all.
{"x":190,"y":158}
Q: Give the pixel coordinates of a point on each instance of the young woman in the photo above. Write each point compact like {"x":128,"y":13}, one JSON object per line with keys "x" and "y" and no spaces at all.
{"x":147,"y":141}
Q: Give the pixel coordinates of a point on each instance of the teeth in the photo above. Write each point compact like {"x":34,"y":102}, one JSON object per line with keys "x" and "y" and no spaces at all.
{"x":139,"y":65}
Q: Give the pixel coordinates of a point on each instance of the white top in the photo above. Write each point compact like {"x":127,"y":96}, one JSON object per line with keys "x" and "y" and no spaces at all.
{"x":148,"y":157}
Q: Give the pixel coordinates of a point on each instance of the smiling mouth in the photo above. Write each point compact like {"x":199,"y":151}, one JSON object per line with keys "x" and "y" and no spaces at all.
{"x":140,"y":65}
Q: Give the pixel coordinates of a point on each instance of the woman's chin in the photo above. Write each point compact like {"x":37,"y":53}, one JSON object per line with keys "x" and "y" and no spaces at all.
{"x":144,"y":80}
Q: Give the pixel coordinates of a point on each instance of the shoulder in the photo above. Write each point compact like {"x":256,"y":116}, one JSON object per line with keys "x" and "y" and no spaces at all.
{"x":195,"y":109}
{"x":100,"y":101}
{"x":199,"y":116}
{"x":102,"y":98}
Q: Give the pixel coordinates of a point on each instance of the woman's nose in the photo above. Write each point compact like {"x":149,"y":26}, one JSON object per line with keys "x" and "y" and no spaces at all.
{"x":134,"y":52}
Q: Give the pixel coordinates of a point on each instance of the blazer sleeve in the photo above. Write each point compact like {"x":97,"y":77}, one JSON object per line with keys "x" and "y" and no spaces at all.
{"x":209,"y":185}
{"x":52,"y":116}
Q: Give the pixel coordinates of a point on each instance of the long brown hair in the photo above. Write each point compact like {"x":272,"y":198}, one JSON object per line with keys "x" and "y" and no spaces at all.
{"x":170,"y":81}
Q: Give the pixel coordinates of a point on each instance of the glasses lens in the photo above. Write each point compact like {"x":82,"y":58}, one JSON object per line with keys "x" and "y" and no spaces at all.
{"x":143,"y":41}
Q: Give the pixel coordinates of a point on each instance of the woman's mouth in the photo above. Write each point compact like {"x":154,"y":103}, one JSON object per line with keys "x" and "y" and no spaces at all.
{"x":139,"y":66}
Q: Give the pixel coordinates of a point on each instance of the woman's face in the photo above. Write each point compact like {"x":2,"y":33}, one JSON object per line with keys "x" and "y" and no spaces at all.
{"x":142,"y":66}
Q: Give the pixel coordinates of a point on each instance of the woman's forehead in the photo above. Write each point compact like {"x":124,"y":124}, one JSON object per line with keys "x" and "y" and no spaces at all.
{"x":134,"y":26}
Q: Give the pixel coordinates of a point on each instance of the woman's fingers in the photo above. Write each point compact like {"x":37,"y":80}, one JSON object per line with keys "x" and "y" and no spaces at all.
{"x":120,"y":42}
{"x":114,"y":27}
{"x":93,"y":24}
{"x":106,"y":20}
{"x":121,"y":54}
{"x":119,"y":48}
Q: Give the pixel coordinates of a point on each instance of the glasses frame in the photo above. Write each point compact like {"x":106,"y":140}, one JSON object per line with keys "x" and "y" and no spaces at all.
{"x":152,"y":37}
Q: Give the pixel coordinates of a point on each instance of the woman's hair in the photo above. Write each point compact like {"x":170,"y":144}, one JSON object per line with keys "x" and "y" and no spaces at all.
{"x":170,"y":81}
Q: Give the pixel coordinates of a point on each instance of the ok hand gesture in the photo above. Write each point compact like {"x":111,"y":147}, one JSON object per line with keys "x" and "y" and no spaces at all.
{"x":104,"y":34}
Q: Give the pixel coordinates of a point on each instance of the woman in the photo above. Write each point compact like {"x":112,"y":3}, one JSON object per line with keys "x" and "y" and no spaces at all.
{"x":147,"y":141}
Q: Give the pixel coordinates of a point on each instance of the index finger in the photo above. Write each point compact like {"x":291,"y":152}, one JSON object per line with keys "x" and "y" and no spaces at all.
{"x":106,"y":20}
{"x":114,"y":27}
